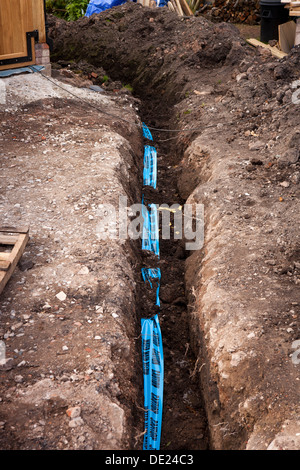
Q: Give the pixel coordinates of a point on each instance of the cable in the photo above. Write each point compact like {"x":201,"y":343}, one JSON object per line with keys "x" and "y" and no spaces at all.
{"x":82,"y":99}
{"x":156,"y":129}
{"x":196,"y":129}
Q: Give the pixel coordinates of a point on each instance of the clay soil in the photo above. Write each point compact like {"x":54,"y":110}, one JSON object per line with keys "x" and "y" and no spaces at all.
{"x":195,"y":80}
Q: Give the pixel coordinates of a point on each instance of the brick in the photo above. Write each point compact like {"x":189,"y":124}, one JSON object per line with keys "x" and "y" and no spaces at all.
{"x":42,"y":60}
{"x":42,"y":53}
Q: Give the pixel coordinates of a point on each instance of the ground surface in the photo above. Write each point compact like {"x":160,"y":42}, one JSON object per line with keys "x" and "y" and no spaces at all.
{"x":63,"y":352}
{"x":233,"y":367}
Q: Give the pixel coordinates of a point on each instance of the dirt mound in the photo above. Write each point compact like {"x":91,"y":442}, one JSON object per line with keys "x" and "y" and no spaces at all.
{"x":153,"y":50}
{"x":163,"y":57}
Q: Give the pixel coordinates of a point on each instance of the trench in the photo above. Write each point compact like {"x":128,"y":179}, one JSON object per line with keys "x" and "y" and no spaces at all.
{"x":184,"y":423}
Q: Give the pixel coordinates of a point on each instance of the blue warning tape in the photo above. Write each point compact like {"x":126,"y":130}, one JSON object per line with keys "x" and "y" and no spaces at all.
{"x":152,"y":348}
{"x":152,"y":273}
{"x":146,"y":133}
{"x":150,"y":166}
{"x":150,"y":233}
{"x":154,"y":231}
{"x":146,"y":239}
{"x":153,"y":372}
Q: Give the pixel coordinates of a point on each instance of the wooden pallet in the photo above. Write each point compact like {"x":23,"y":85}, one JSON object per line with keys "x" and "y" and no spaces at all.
{"x":16,"y":238}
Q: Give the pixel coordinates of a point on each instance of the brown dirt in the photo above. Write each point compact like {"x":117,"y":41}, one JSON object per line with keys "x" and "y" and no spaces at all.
{"x":72,"y":352}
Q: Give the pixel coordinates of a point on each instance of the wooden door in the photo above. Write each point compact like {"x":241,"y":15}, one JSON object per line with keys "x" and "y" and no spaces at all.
{"x":21,"y":23}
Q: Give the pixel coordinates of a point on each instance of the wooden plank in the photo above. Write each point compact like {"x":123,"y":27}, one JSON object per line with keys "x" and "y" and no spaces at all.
{"x":38,"y":19}
{"x":275,"y":52}
{"x":174,"y":4}
{"x":15,"y":256}
{"x":179,"y":9}
{"x":10,"y":229}
{"x":197,"y":5}
{"x":4,"y":265}
{"x":5,"y":256}
{"x":297,"y":35}
{"x":8,"y":239}
{"x":287,"y":33}
{"x":186,"y":8}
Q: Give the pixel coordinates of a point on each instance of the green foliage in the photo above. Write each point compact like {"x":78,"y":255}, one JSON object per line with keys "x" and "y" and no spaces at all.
{"x":76,"y":9}
{"x":69,"y":10}
{"x":129,"y":87}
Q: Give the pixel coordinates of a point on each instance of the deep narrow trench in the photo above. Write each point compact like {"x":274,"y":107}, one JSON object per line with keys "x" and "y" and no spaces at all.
{"x":184,"y":424}
{"x":125,"y":46}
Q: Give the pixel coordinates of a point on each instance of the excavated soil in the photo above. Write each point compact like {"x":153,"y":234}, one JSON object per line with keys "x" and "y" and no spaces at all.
{"x":230,"y":311}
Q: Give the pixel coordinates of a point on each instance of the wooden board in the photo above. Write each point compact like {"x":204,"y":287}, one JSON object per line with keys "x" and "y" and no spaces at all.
{"x":9,"y":260}
{"x":10,"y":229}
{"x":179,"y":9}
{"x":4,"y":265}
{"x":287,"y":33}
{"x":275,"y":52}
{"x":8,"y":239}
{"x":186,"y":8}
{"x":297,"y":35}
{"x":38,"y":19}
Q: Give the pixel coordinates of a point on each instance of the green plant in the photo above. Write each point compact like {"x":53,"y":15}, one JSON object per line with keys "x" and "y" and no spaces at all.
{"x":129,"y":87}
{"x":69,"y":10}
{"x":56,"y":7}
{"x":76,"y":9}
